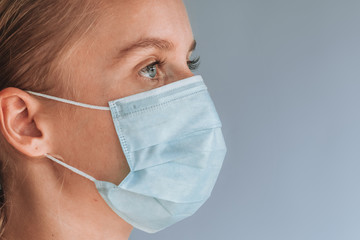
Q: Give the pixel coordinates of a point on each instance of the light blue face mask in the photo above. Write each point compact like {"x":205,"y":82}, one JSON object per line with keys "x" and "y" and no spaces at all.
{"x":171,"y":137}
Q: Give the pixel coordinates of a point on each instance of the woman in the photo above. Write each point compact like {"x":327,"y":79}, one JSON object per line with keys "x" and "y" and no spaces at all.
{"x":166,"y":140}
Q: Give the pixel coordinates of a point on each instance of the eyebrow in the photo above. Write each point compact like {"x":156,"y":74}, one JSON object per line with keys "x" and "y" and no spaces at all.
{"x":148,"y":43}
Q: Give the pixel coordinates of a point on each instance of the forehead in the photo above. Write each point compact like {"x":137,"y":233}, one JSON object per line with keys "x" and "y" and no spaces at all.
{"x":123,"y":22}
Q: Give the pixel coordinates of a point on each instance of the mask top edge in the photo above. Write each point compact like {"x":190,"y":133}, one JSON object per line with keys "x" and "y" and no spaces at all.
{"x":165,"y":88}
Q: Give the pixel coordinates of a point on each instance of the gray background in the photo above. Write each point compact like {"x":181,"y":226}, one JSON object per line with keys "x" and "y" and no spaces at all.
{"x":284,"y":76}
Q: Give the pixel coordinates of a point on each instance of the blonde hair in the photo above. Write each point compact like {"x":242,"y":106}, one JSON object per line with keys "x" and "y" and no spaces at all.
{"x":34,"y":36}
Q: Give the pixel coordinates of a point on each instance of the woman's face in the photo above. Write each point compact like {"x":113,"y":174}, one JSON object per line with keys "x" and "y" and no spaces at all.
{"x":136,"y":46}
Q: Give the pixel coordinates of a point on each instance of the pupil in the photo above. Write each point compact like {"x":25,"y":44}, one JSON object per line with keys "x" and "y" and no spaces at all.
{"x":152,"y":71}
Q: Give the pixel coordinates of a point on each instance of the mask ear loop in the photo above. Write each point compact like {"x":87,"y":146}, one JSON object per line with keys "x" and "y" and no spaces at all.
{"x":69,"y":101}
{"x":77,"y":171}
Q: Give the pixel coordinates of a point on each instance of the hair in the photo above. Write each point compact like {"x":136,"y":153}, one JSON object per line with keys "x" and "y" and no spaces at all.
{"x":35,"y":36}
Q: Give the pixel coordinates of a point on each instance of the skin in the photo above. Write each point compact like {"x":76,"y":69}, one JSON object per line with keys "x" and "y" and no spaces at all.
{"x":48,"y":201}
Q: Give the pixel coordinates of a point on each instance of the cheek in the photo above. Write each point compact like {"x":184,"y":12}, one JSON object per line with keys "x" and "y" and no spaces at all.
{"x":93,"y":146}
{"x":106,"y":152}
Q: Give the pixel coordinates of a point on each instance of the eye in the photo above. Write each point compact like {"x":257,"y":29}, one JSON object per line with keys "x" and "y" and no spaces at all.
{"x":150,"y":71}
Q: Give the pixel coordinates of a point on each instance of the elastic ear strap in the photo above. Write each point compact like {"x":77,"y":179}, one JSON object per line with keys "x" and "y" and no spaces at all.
{"x":77,"y":171}
{"x":69,"y":101}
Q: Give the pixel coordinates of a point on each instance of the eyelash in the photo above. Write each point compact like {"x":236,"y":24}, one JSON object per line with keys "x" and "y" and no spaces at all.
{"x":194,"y":64}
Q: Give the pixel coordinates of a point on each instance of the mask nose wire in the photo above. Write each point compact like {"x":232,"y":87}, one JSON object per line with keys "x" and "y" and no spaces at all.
{"x":69,"y":101}
{"x":75,"y":170}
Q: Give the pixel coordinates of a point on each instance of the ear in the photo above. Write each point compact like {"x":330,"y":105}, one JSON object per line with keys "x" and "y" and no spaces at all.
{"x":21,"y":122}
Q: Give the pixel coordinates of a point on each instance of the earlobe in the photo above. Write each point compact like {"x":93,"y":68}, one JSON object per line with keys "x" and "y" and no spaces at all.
{"x":18,"y":122}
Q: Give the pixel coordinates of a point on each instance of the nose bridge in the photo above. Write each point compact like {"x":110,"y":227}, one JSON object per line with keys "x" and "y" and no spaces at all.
{"x":185,"y":74}
{"x":180,"y":73}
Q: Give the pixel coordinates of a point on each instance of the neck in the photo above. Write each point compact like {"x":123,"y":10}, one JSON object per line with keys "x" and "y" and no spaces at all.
{"x":54,"y":207}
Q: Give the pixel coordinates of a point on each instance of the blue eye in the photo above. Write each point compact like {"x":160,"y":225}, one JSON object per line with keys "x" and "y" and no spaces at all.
{"x":149,"y":71}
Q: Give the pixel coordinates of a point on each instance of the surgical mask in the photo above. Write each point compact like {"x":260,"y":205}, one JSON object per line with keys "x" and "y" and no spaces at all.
{"x":172,"y":140}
